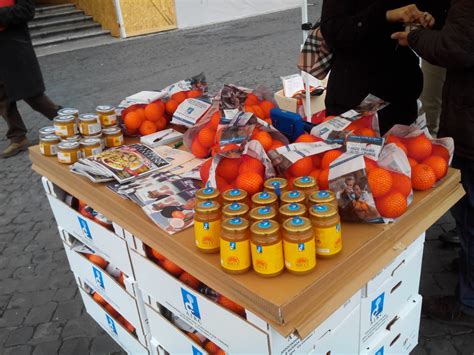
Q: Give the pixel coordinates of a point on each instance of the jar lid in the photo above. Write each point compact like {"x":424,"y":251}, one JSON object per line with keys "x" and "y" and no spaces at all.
{"x":275,"y":183}
{"x":292,"y":196}
{"x":50,"y":138}
{"x":264,"y":197}
{"x":104,"y":108}
{"x":45,"y":131}
{"x":235,"y":208}
{"x":304,"y":182}
{"x":323,"y":210}
{"x":297,"y":224}
{"x":65,"y":119}
{"x":88,"y":117}
{"x":68,"y":111}
{"x":235,"y":194}
{"x":112,"y":130}
{"x":207,"y":206}
{"x":263,"y":212}
{"x":235,"y":224}
{"x":74,"y":138}
{"x":292,"y":209}
{"x":264,"y":227}
{"x":68,"y":145}
{"x":207,"y":193}
{"x":90,"y":141}
{"x":322,"y":196}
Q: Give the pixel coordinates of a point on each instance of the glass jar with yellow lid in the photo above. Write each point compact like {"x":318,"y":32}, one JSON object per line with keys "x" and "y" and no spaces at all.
{"x":327,"y":230}
{"x":235,"y":195}
{"x":267,"y":248}
{"x":322,"y":197}
{"x":107,"y":115}
{"x":277,"y":185}
{"x":299,"y":245}
{"x":65,"y":126}
{"x":293,"y":196}
{"x":89,"y":124}
{"x":46,"y":131}
{"x":68,"y":111}
{"x":290,"y":210}
{"x":306,"y":184}
{"x":113,"y":137}
{"x":69,"y":152}
{"x":261,"y":213}
{"x":235,"y":245}
{"x":235,"y":209}
{"x":48,"y":145}
{"x":207,"y":226}
{"x":90,"y":146}
{"x":207,"y":194}
{"x":265,"y":198}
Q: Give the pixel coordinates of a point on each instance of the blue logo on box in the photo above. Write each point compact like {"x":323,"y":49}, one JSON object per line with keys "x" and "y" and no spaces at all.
{"x":99,"y":280}
{"x":111,"y":324}
{"x":196,"y":351}
{"x":376,"y":308}
{"x":84,"y":227}
{"x":191,"y":305}
{"x":380,"y":351}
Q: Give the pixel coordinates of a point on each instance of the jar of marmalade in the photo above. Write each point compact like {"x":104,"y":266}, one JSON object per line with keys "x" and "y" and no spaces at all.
{"x":107,"y":115}
{"x":46,"y":131}
{"x":299,"y":246}
{"x":90,"y":146}
{"x":290,"y":210}
{"x":235,"y":245}
{"x":267,"y":248}
{"x":327,"y":230}
{"x":207,"y":226}
{"x":48,"y":145}
{"x":73,"y":139}
{"x":100,"y":137}
{"x":69,"y":152}
{"x":89,"y":124}
{"x":69,"y":112}
{"x":276,"y":185}
{"x":113,"y":137}
{"x":261,"y":213}
{"x":65,"y":126}
{"x":207,"y":194}
{"x":235,"y":195}
{"x":235,"y":209}
{"x":322,"y":197}
{"x":293,"y":196}
{"x":306,"y":184}
{"x":265,"y":198}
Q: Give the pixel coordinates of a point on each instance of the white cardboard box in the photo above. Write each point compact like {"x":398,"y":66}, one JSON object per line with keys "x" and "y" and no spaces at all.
{"x":401,"y":336}
{"x":126,"y":340}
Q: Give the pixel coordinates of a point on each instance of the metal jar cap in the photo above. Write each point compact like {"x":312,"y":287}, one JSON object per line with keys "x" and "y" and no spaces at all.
{"x":50,"y":138}
{"x":235,"y":194}
{"x":264,"y":227}
{"x":292,"y":196}
{"x":297,"y":224}
{"x":304,"y":182}
{"x":207,"y":206}
{"x":111,"y":130}
{"x":207,"y":193}
{"x":68,"y":145}
{"x":265,"y":197}
{"x":275,"y":183}
{"x":263,"y":212}
{"x":105,"y":108}
{"x":235,"y":224}
{"x":90,"y":141}
{"x":322,"y":196}
{"x":323,"y":210}
{"x":292,"y":209}
{"x":64,"y":119}
{"x":88,"y":117}
{"x":68,"y":111}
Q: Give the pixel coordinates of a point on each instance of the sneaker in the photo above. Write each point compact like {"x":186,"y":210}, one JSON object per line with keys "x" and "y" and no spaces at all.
{"x":14,"y":148}
{"x":447,"y":310}
{"x":450,"y":237}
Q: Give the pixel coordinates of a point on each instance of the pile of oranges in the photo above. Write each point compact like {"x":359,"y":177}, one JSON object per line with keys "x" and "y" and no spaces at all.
{"x":245,"y":173}
{"x":428,"y":161}
{"x":266,"y":140}
{"x":260,"y":108}
{"x":113,"y":312}
{"x":205,"y":140}
{"x":102,"y":263}
{"x":362,"y":127}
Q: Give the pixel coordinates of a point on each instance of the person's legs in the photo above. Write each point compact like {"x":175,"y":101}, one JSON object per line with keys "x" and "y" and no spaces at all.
{"x":43,"y":105}
{"x":431,"y":97}
{"x":16,"y":128}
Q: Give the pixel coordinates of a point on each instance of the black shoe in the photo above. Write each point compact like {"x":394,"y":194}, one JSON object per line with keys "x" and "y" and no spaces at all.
{"x":450,"y":237}
{"x":447,"y":310}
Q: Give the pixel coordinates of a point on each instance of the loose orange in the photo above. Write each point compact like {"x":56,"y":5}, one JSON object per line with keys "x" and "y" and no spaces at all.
{"x":132,"y":120}
{"x":380,"y":181}
{"x":370,"y":164}
{"x":190,"y":280}
{"x":251,"y":165}
{"x":171,"y":267}
{"x":250,"y":182}
{"x":441,"y":151}
{"x":306,"y":138}
{"x":323,"y":179}
{"x":422,"y":177}
{"x":265,"y":139}
{"x":266,"y":107}
{"x":301,"y":167}
{"x":99,"y":299}
{"x":276,"y":144}
{"x":206,"y":137}
{"x":198,"y":150}
{"x":194,"y":337}
{"x":402,"y":184}
{"x":228,"y":168}
{"x":329,"y":157}
{"x":179,"y":97}
{"x":154,"y":111}
{"x":147,"y":127}
{"x":171,"y":107}
{"x":231,"y":305}
{"x":365,"y":132}
{"x":252,"y":99}
{"x":419,"y":148}
{"x":215,"y":120}
{"x":191,"y":94}
{"x":438,"y":164}
{"x":204,"y":170}
{"x":412,"y":162}
{"x":258,"y":111}
{"x":98,"y":260}
{"x":392,"y":205}
{"x":316,"y":161}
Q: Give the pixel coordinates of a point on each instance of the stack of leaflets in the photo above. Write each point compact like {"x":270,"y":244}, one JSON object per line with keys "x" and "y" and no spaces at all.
{"x":123,"y":164}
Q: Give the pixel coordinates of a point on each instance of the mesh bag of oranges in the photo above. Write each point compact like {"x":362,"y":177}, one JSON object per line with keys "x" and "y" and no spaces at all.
{"x":305,"y":159}
{"x":429,"y":157}
{"x":372,"y":191}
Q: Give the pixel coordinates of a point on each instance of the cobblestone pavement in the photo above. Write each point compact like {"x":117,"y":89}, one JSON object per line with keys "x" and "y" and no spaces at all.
{"x":40,"y":308}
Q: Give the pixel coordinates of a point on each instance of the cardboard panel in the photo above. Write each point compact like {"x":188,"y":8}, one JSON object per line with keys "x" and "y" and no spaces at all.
{"x":102,"y":11}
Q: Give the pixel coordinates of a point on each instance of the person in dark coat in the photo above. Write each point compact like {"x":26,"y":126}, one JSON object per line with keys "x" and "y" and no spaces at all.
{"x":365,"y":61}
{"x":452,"y":47}
{"x":20,"y":74}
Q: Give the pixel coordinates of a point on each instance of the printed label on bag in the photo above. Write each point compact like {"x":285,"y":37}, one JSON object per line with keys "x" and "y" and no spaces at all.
{"x":207,"y":234}
{"x":235,"y":255}
{"x":267,"y":259}
{"x":300,"y":256}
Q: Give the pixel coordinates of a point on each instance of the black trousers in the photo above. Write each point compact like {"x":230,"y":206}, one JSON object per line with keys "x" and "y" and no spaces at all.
{"x":9,"y":111}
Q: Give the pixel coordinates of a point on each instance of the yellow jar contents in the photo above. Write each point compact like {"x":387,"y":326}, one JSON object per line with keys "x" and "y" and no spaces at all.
{"x":207,"y":226}
{"x":46,"y":131}
{"x":69,"y":112}
{"x":90,"y":146}
{"x":267,"y":248}
{"x":306,"y":184}
{"x":327,"y":230}
{"x":113,"y":137}
{"x":235,"y":209}
{"x":293,"y":196}
{"x":276,"y":185}
{"x":235,"y":246}
{"x":299,"y":245}
{"x":89,"y":124}
{"x":322,"y":197}
{"x":69,"y":152}
{"x":65,"y":126}
{"x":49,"y":145}
{"x":290,"y":210}
{"x":107,"y":115}
{"x":265,"y":198}
{"x":235,"y":195}
{"x":261,"y":213}
{"x":207,"y":194}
